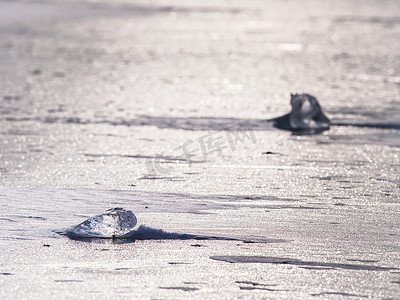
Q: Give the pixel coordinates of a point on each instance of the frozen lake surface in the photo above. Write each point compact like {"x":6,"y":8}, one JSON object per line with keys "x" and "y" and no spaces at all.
{"x":162,"y":108}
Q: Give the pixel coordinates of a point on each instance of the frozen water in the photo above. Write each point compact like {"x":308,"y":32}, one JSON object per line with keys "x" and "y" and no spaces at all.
{"x":88,"y":100}
{"x":306,"y":115}
{"x":114,"y":223}
{"x":118,"y":223}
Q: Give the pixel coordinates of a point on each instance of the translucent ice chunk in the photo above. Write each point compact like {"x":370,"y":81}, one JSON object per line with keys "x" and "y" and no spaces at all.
{"x":114,"y":223}
{"x":307,"y":113}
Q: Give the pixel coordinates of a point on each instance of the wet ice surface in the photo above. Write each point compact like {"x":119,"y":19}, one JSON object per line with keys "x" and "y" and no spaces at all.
{"x":293,"y":241}
{"x":97,"y":104}
{"x":119,"y":224}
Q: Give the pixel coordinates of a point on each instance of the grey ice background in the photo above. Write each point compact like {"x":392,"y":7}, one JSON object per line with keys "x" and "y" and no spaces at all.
{"x":92,"y":90}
